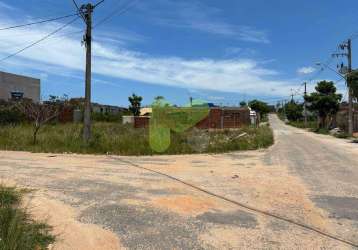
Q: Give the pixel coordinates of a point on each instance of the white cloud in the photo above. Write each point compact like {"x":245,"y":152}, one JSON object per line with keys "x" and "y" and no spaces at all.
{"x":65,"y":56}
{"x":198,"y":16}
{"x":306,"y":70}
{"x":5,"y":6}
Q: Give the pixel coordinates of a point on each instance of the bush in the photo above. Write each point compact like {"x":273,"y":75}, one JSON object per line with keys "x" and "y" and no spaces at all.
{"x":10,"y":116}
{"x":17,"y":230}
{"x":106,"y":117}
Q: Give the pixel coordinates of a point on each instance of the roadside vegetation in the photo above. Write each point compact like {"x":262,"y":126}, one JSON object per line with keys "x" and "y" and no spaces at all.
{"x":115,"y":138}
{"x":18,"y":231}
{"x":322,"y":108}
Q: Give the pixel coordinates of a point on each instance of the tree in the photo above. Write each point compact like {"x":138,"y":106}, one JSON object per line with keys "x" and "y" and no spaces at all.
{"x":260,"y":107}
{"x":159,"y":98}
{"x":293,"y":111}
{"x":159,"y":101}
{"x":325,"y":101}
{"x":39,"y":114}
{"x":243,"y":104}
{"x":135,"y":104}
{"x":353,"y":83}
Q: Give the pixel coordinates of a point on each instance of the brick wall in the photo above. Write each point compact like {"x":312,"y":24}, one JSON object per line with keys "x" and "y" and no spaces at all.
{"x":225,"y":118}
{"x":141,"y":121}
{"x":218,"y":118}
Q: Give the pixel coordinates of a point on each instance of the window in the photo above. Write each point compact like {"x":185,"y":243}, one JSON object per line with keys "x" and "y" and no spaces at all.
{"x":17,"y":95}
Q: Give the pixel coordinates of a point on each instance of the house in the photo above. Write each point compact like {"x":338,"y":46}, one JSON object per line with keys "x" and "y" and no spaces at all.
{"x":17,"y":87}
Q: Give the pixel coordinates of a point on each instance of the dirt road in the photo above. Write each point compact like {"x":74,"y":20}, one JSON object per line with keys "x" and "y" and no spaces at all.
{"x":302,"y":193}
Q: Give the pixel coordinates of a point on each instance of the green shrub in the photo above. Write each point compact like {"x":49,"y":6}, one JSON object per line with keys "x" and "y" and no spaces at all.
{"x":10,"y":116}
{"x":106,"y":117}
{"x":343,"y":135}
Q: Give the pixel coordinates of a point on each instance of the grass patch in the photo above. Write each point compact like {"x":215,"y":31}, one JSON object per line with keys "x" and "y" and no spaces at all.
{"x":17,"y":230}
{"x":114,"y":138}
{"x":312,"y":126}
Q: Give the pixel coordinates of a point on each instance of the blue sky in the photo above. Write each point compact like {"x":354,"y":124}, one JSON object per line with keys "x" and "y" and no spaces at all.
{"x":220,"y":51}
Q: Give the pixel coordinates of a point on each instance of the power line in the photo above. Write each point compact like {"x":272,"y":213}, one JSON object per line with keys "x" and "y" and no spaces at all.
{"x":129,"y":5}
{"x":100,"y":2}
{"x":40,"y":40}
{"x":38,"y":22}
{"x":79,"y":10}
{"x":242,"y":205}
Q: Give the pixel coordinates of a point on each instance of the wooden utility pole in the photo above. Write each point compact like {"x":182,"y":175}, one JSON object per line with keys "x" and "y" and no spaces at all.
{"x":350,"y":94}
{"x":292,"y":95}
{"x":305,"y":105}
{"x":347,"y":45}
{"x":87,"y":13}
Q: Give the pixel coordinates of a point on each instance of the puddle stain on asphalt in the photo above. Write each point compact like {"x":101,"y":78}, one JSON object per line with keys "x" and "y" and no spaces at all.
{"x":339,"y":207}
{"x":237,"y":218}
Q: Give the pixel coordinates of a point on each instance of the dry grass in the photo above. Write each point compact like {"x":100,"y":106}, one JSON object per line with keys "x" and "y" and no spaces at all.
{"x":114,"y":138}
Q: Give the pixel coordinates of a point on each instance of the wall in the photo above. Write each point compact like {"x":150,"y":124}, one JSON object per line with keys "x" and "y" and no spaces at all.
{"x":342,"y":120}
{"x":141,"y":121}
{"x":218,"y":118}
{"x":222,"y":118}
{"x":16,"y":83}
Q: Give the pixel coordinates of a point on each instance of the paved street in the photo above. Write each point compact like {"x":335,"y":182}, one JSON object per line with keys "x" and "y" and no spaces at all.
{"x":245,"y":200}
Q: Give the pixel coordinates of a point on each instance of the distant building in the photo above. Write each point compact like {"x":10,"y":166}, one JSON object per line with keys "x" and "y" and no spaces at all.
{"x":107,"y":109}
{"x":17,"y":87}
{"x":78,"y":102}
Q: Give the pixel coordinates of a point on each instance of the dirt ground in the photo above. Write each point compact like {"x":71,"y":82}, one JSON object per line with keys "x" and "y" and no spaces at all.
{"x":113,"y":202}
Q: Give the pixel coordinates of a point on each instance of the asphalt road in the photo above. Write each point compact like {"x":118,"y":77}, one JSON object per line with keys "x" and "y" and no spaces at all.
{"x":328,"y":166}
{"x":306,"y":178}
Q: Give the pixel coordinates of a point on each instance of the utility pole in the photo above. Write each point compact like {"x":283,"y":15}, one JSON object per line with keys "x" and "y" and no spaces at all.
{"x":305,"y":104}
{"x":350,"y":95}
{"x":348,"y":45}
{"x":87,"y":10}
{"x":291,"y":95}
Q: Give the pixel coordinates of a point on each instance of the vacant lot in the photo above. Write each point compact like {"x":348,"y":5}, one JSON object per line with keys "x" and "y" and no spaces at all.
{"x":167,"y":202}
{"x":114,"y":138}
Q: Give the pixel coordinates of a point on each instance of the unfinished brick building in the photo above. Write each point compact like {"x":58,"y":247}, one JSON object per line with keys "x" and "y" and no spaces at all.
{"x":218,"y":118}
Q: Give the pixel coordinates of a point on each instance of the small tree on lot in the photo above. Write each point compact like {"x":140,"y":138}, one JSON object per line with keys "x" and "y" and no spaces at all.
{"x":325,"y":102}
{"x":39,"y":114}
{"x":293,"y":111}
{"x":260,"y":107}
{"x":135,"y":104}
